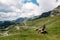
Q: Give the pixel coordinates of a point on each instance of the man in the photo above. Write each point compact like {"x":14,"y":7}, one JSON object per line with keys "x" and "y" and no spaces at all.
{"x":42,"y":29}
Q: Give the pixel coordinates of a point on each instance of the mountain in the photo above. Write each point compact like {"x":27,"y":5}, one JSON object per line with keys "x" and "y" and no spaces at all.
{"x":19,"y":20}
{"x":54,"y":12}
{"x":28,"y":32}
{"x":4,"y":24}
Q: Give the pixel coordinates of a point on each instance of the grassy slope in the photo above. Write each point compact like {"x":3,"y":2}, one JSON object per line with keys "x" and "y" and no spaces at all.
{"x":53,"y":29}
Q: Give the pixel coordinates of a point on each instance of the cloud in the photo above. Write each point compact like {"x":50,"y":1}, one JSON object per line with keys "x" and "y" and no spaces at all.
{"x":5,"y":8}
{"x":13,"y":9}
{"x":9,"y":16}
{"x":48,"y":5}
{"x":59,"y":2}
{"x":32,"y":9}
{"x":9,"y":2}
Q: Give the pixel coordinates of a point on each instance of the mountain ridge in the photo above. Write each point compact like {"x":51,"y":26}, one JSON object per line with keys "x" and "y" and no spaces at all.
{"x":54,"y":12}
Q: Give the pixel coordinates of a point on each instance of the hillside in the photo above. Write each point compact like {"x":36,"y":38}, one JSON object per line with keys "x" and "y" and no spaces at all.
{"x":26,"y":30}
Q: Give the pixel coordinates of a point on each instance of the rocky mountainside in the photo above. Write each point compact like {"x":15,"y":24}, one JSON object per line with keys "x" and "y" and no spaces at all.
{"x":54,"y":12}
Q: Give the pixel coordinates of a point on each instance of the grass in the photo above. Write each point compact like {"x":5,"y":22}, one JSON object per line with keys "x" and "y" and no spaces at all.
{"x":52,"y":27}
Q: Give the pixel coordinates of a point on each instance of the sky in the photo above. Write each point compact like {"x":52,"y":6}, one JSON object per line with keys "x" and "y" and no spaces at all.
{"x":33,"y":1}
{"x":14,"y":9}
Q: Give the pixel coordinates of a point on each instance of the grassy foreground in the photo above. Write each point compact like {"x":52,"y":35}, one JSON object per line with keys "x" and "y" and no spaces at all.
{"x":52,"y":27}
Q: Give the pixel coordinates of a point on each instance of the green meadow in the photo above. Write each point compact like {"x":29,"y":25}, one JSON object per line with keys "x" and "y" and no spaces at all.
{"x":28,"y":32}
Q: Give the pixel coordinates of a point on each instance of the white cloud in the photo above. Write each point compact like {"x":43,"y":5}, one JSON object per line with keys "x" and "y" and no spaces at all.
{"x":59,"y":2}
{"x":29,"y":6}
{"x":9,"y":1}
{"x":48,"y":5}
{"x":9,"y":16}
{"x":31,"y":9}
{"x":13,"y":9}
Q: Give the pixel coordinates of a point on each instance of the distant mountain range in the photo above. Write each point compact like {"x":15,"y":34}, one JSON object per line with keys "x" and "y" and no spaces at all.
{"x":4,"y":24}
